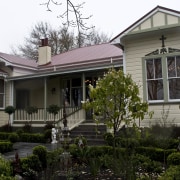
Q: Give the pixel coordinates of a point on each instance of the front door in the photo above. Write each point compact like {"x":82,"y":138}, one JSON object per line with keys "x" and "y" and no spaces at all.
{"x":22,"y":99}
{"x":72,"y":89}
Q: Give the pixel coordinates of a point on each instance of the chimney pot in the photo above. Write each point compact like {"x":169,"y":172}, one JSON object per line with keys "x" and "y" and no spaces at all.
{"x":44,"y":42}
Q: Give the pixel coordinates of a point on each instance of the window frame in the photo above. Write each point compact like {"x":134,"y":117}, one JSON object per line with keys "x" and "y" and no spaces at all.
{"x":3,"y":93}
{"x":165,"y":78}
{"x":168,"y":78}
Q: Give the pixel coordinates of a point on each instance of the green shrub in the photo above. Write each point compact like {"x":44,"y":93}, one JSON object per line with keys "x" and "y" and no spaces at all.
{"x":176,"y":132}
{"x":106,"y":161}
{"x":2,"y":177}
{"x":4,"y":135}
{"x":6,"y":128}
{"x":5,"y":167}
{"x":108,"y":137}
{"x":27,"y":127}
{"x":172,"y":173}
{"x":47,"y":135}
{"x":29,"y":137}
{"x":168,"y":143}
{"x":155,"y":154}
{"x":161,"y":131}
{"x":95,"y":151}
{"x":49,"y":125}
{"x":53,"y":157}
{"x":94,"y":165}
{"x":129,"y":132}
{"x":9,"y":110}
{"x":143,"y":165}
{"x":31,"y":110}
{"x":53,"y":109}
{"x":5,"y":146}
{"x":149,"y":141}
{"x":41,"y":152}
{"x":31,"y":162}
{"x":174,"y":159}
{"x":173,"y":143}
{"x":129,"y":143}
{"x":73,"y":148}
{"x":19,"y":132}
{"x":13,"y":137}
{"x":78,"y":139}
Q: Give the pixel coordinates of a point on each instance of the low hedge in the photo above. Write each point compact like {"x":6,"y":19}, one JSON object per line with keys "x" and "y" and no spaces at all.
{"x":164,"y":143}
{"x":5,"y":146}
{"x":24,"y":137}
{"x":150,"y":141}
{"x":35,"y":137}
{"x":156,"y":154}
{"x":12,"y":137}
{"x":4,"y":135}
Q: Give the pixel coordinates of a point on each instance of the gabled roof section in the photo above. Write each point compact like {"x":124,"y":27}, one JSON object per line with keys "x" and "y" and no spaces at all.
{"x":12,"y":60}
{"x":159,"y":17}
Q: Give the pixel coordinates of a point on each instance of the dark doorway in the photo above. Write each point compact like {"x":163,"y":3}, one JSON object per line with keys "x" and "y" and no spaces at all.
{"x":22,"y":99}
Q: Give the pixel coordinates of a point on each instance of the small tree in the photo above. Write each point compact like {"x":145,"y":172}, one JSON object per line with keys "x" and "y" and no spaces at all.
{"x":116,"y":98}
{"x":9,"y":110}
{"x":53,"y":109}
{"x":31,"y":110}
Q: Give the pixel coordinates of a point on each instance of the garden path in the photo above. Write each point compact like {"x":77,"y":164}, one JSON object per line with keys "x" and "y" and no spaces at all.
{"x":24,"y":149}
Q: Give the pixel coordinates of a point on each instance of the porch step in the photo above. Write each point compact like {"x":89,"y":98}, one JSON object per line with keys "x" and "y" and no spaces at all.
{"x":92,"y":132}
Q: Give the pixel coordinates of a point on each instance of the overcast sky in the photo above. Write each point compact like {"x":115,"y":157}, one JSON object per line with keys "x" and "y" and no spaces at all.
{"x":109,"y":16}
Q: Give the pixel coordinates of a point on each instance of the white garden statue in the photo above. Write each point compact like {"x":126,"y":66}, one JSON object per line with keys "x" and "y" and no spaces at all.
{"x":53,"y":135}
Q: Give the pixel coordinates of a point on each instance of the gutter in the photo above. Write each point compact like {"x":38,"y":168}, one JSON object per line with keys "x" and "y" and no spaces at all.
{"x":68,"y":69}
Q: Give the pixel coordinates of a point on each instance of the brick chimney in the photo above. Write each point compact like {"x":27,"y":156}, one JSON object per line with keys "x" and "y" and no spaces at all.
{"x":44,"y":52}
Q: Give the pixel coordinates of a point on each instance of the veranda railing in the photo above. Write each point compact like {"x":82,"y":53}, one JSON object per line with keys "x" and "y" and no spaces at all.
{"x":43,"y":115}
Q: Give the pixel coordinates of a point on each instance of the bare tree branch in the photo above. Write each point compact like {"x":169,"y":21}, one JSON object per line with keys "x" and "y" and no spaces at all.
{"x":71,"y":10}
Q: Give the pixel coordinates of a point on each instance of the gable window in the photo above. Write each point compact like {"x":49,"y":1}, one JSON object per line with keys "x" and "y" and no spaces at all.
{"x":173,"y":68}
{"x":2,"y":93}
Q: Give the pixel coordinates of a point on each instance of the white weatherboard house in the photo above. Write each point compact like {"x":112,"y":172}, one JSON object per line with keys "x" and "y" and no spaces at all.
{"x":149,"y":50}
{"x":152,"y":56}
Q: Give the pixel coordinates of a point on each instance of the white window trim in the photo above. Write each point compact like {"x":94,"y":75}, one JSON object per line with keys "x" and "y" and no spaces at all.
{"x":164,"y":78}
{"x":4,"y":94}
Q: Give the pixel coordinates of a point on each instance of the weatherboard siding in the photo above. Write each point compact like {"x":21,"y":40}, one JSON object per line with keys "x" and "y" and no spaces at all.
{"x":136,"y":49}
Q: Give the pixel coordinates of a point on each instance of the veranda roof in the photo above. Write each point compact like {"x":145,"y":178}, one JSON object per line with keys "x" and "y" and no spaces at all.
{"x":90,"y":57}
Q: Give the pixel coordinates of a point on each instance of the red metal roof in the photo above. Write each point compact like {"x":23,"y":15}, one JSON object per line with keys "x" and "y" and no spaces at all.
{"x":85,"y":54}
{"x":16,"y":60}
{"x":85,"y":57}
